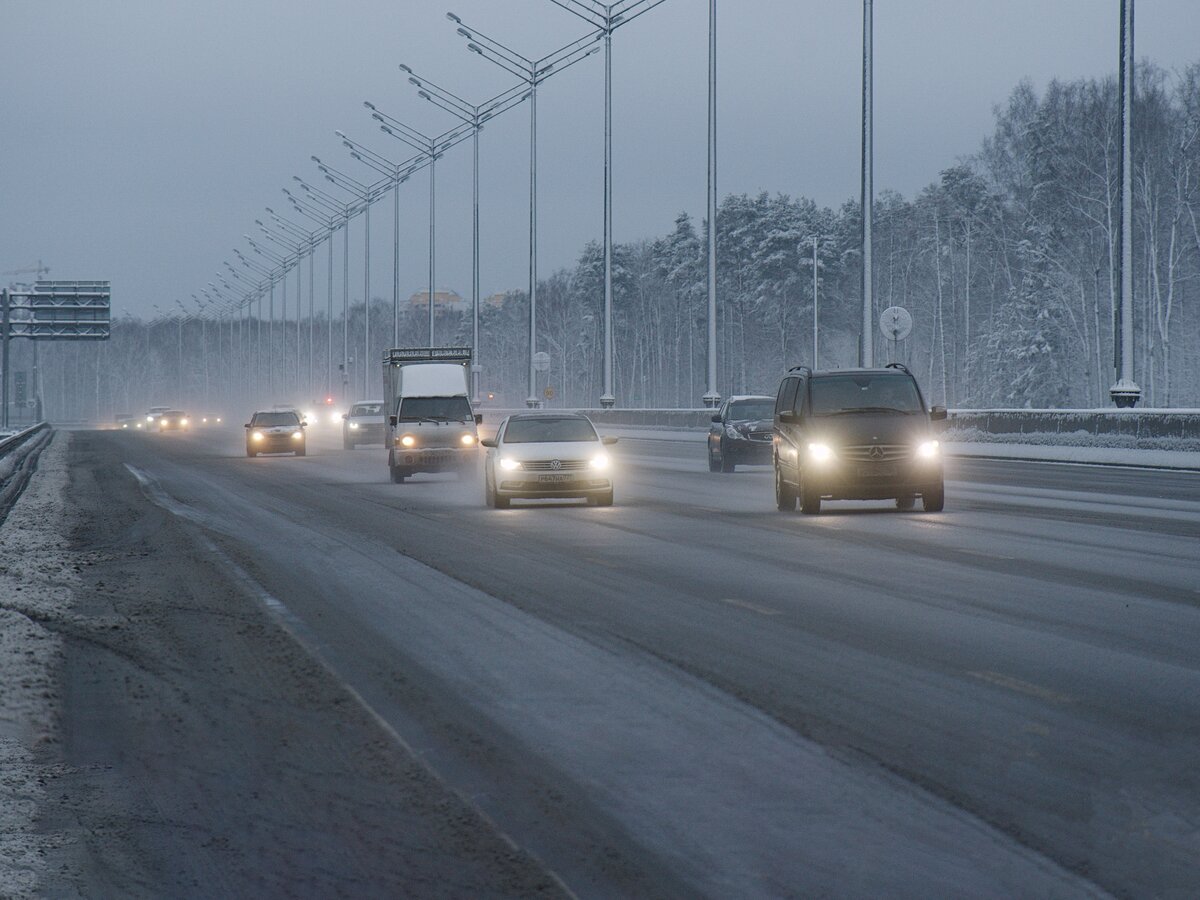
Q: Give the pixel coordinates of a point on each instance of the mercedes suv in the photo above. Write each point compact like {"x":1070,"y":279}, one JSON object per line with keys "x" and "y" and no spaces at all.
{"x":856,"y":434}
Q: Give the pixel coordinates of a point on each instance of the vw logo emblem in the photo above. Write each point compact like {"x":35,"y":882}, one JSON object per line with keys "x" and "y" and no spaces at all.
{"x":875,"y":452}
{"x":556,"y":464}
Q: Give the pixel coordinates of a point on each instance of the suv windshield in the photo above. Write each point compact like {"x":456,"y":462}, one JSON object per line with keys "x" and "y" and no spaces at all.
{"x":435,"y":409}
{"x":366,"y":409}
{"x":745,"y":410}
{"x":862,"y":392}
{"x":548,"y":429}
{"x":274,"y":419}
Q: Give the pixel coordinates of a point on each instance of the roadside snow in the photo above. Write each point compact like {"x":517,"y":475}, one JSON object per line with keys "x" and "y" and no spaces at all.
{"x":36,"y":581}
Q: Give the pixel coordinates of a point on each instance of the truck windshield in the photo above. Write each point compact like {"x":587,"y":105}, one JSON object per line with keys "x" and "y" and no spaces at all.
{"x":435,"y":409}
{"x":834,"y":394}
{"x":548,"y":429}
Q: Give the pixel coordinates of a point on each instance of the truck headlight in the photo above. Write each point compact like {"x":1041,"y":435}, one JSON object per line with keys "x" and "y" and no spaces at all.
{"x":408,"y":441}
{"x":819,"y":452}
{"x":509,"y":464}
{"x":468,"y":440}
{"x":928,"y":449}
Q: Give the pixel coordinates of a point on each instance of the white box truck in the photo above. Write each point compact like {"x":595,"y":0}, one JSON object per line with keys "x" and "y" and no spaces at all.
{"x":431,"y":426}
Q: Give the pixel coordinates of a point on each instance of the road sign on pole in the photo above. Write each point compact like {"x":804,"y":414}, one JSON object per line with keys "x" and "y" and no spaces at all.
{"x":55,"y":311}
{"x":541,"y":361}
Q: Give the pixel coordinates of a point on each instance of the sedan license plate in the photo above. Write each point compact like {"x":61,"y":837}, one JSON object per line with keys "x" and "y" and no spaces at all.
{"x":876,"y":471}
{"x":553,"y":479}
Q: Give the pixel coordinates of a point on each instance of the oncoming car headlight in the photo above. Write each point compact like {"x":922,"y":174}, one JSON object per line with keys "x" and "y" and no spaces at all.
{"x":732,"y":432}
{"x":183,"y":423}
{"x":354,"y":426}
{"x":927,"y":449}
{"x":335,"y":417}
{"x":468,"y":440}
{"x":600,"y":461}
{"x":408,"y":441}
{"x":509,"y":464}
{"x":256,"y":435}
{"x":296,"y":435}
{"x":818,"y":452}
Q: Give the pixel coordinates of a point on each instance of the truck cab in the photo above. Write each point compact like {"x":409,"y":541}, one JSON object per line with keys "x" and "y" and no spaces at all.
{"x":430,"y":424}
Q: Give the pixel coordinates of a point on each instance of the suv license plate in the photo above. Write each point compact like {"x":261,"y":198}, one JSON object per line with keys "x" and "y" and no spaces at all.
{"x":553,"y":479}
{"x":876,"y":471}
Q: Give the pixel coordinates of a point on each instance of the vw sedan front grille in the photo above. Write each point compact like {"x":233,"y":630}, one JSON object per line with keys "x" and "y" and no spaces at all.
{"x":554,"y":465}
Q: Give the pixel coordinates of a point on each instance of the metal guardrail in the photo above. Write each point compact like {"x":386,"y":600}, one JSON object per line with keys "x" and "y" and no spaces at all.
{"x":15,"y":468}
{"x":12,"y":441}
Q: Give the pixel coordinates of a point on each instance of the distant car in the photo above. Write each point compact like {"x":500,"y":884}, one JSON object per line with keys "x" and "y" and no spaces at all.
{"x":742,"y":431}
{"x":153,"y":413}
{"x":124,"y":420}
{"x":547,"y":455}
{"x":363,"y":424}
{"x":856,"y":434}
{"x":275,"y":431}
{"x":206,"y":420}
{"x":173,"y":420}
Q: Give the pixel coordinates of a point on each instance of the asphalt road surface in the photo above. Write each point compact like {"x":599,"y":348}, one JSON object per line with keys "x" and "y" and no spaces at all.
{"x":691,"y":693}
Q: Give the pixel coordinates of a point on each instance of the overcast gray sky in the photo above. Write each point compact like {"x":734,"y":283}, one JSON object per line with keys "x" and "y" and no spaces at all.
{"x":140,"y":139}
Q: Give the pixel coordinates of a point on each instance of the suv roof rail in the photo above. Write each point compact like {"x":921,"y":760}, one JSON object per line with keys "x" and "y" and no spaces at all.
{"x":807,"y":369}
{"x":903,"y":368}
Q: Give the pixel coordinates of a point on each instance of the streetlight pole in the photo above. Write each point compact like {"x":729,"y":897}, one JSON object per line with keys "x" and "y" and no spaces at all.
{"x":607,"y":17}
{"x":712,"y":397}
{"x":323,"y":218}
{"x":816,"y":346}
{"x":1126,"y":393}
{"x":867,"y":345}
{"x":473,"y":115}
{"x":532,"y":73}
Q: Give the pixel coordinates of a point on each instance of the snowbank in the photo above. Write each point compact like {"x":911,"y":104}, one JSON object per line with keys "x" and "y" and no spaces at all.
{"x":36,"y":589}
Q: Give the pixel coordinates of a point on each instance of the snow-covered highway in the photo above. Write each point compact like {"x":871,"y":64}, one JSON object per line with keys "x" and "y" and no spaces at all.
{"x":686,"y":694}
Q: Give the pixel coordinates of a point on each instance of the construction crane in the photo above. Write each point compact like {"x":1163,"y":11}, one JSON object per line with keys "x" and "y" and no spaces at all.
{"x":39,"y":270}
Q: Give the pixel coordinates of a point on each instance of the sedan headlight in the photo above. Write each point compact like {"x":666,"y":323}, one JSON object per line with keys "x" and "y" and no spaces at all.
{"x":818,"y":452}
{"x":408,"y":441}
{"x":149,"y":418}
{"x":509,"y":464}
{"x":732,"y":432}
{"x":468,"y":440}
{"x":928,"y":450}
{"x":600,"y":461}
{"x":183,"y":423}
{"x":256,"y":435}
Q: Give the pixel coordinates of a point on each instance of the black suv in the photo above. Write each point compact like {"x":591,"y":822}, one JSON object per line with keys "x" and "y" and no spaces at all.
{"x":741,"y":433}
{"x":855,"y":434}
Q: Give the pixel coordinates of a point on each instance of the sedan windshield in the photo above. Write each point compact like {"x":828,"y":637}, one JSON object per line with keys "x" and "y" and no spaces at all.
{"x":833,"y":394}
{"x":274,"y":419}
{"x":435,"y":409}
{"x":746,"y":410}
{"x":548,"y":429}
{"x":367,"y":409}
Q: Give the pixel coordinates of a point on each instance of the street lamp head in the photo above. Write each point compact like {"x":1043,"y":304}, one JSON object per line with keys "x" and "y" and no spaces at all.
{"x":355,"y":155}
{"x":270,"y":211}
{"x":369,"y":105}
{"x":424,"y":95}
{"x":329,"y":178}
{"x":259,"y":223}
{"x":474,"y":48}
{"x":377,"y":117}
{"x":466,"y":34}
{"x":416,"y":82}
{"x":453,"y":18}
{"x":340,"y":134}
{"x":404,"y":68}
{"x":385,"y":129}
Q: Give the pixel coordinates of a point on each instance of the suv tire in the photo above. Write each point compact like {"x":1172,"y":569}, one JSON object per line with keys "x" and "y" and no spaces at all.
{"x":727,"y":463}
{"x":397,"y":475}
{"x":714,"y":462}
{"x":934,"y":500}
{"x":810,"y":500}
{"x":785,"y":494}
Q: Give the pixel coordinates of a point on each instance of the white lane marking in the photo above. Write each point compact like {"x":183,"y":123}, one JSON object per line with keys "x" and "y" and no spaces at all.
{"x":299,"y":632}
{"x":753,"y":607}
{"x":1022,"y":687}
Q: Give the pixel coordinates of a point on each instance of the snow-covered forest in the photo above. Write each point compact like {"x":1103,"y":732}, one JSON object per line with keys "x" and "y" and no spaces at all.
{"x":1007,"y":263}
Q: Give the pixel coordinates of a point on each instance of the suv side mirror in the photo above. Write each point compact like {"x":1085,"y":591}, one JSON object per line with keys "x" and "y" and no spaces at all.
{"x":937,"y":413}
{"x":247,"y":425}
{"x":790,"y":418}
{"x":478,"y":418}
{"x":345,"y":415}
{"x":392,"y":421}
{"x":716,"y":420}
{"x":488,"y":442}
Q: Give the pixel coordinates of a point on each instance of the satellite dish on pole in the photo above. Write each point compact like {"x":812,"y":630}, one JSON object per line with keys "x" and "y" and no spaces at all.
{"x":895,"y":323}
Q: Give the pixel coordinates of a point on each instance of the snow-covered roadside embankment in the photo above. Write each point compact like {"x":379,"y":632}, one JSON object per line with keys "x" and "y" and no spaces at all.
{"x":36,"y":584}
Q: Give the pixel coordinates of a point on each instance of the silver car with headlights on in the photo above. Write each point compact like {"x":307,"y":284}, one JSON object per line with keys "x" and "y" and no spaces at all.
{"x":275,"y":431}
{"x":538,"y":456}
{"x":363,"y":424}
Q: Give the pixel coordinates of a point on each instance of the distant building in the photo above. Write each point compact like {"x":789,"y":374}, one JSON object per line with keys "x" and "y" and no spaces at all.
{"x":443,"y":301}
{"x":495,"y":300}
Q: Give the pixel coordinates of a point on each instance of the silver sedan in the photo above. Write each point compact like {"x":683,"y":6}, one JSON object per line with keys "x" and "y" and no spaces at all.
{"x":536,"y":456}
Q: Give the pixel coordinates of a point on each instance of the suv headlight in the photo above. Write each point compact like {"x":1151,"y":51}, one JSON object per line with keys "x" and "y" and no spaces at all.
{"x":819,"y":452}
{"x":928,"y":450}
{"x":467,"y":440}
{"x":256,"y":435}
{"x":408,"y":441}
{"x":354,"y":426}
{"x":296,"y":435}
